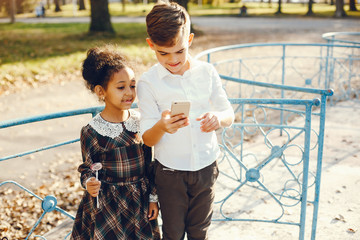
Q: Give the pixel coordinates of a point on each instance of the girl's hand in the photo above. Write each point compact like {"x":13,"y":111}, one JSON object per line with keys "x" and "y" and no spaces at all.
{"x":209,"y":122}
{"x":93,"y":187}
{"x":172,"y":124}
{"x":153,"y":210}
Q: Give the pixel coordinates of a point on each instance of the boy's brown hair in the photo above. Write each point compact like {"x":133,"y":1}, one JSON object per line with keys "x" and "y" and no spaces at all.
{"x":165,"y":21}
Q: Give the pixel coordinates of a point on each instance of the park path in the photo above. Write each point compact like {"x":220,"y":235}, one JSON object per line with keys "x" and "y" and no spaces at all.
{"x":229,"y":24}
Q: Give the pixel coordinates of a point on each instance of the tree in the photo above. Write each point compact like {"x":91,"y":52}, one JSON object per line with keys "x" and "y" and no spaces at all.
{"x":57,"y":5}
{"x":310,"y":11}
{"x":81,"y":5}
{"x":183,"y":3}
{"x":13,"y":11}
{"x":352,"y":5}
{"x":100,"y":16}
{"x":279,"y":8}
{"x":340,"y":12}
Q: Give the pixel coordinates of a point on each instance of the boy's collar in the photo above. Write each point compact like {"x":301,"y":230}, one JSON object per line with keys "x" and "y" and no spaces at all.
{"x":163,"y":72}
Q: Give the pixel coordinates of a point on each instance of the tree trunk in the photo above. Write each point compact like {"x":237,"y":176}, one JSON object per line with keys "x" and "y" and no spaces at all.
{"x":12,"y":11}
{"x":123,"y":5}
{"x":310,"y":11}
{"x":183,"y":3}
{"x":279,"y":8}
{"x":100,"y":16}
{"x":81,"y":5}
{"x":340,"y":12}
{"x":57,"y":6}
{"x":352,"y":5}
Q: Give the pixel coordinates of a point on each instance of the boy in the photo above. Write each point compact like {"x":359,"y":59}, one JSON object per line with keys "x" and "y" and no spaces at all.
{"x":186,"y":148}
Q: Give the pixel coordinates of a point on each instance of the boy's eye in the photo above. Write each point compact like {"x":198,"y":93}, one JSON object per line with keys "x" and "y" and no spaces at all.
{"x":181,"y":51}
{"x":121,"y":88}
{"x":163,"y":54}
{"x":133,"y":86}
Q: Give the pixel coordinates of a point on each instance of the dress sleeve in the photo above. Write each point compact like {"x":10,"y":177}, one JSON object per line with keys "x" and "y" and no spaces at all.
{"x":150,"y":169}
{"x":87,"y":142}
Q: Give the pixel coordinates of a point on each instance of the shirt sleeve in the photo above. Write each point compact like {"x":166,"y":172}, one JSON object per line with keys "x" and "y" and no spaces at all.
{"x":148,"y":106}
{"x":87,"y":142}
{"x":219,"y":99}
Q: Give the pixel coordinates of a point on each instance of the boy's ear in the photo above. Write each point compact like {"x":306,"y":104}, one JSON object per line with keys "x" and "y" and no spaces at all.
{"x":150,"y":43}
{"x":99,"y":90}
{"x":191,"y":38}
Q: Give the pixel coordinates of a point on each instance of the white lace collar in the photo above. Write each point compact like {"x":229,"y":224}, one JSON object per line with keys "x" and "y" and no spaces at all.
{"x":113,"y":130}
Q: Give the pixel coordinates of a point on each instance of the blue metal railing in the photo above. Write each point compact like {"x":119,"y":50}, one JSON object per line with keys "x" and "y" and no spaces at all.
{"x":287,"y":87}
{"x":270,"y":94}
{"x":48,"y":203}
{"x":252,"y":174}
{"x":307,"y":65}
{"x":342,"y":37}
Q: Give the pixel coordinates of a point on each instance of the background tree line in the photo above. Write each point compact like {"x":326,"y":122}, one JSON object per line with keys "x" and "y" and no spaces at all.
{"x":100,"y":16}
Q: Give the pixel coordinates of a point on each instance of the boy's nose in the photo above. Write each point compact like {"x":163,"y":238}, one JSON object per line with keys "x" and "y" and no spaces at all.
{"x":172,"y":57}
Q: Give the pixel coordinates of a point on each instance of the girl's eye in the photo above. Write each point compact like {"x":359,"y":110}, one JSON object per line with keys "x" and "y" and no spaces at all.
{"x":133,"y":86}
{"x":180,"y":51}
{"x":163,"y":54}
{"x":121,"y":88}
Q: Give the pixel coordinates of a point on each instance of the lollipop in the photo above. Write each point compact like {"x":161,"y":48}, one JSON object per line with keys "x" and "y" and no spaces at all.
{"x":96,"y":167}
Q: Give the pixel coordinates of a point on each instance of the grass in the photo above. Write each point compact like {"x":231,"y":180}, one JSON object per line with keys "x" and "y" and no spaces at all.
{"x":30,"y":52}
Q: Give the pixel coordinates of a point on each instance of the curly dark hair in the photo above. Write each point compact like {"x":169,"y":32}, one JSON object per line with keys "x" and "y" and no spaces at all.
{"x":100,"y":64}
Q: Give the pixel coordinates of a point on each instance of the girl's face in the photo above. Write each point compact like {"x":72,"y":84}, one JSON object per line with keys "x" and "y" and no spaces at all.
{"x":120,"y":92}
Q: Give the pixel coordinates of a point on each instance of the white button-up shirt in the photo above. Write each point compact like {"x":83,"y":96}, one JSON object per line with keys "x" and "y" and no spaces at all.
{"x":189,"y":149}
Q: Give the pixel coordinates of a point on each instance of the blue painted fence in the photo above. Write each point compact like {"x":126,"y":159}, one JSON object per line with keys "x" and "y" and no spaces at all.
{"x":280,"y":100}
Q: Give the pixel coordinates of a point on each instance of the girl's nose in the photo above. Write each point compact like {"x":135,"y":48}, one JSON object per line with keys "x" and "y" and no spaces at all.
{"x":128,"y":91}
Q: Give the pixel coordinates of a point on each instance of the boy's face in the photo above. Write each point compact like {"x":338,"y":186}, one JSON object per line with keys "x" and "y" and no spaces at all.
{"x":174,"y":58}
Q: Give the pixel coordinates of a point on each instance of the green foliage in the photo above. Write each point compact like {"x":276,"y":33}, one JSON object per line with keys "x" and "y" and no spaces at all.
{"x":31,"y":52}
{"x":23,"y":42}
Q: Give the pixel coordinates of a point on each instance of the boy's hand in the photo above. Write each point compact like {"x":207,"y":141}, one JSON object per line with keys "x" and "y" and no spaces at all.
{"x":172,"y":124}
{"x":153,"y":211}
{"x":93,"y":187}
{"x":209,"y":122}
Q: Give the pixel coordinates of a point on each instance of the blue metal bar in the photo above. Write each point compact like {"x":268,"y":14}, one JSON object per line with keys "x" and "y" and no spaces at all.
{"x":328,"y":92}
{"x":305,"y":171}
{"x":39,"y":118}
{"x":39,"y":149}
{"x":331,"y":37}
{"x":253,"y":45}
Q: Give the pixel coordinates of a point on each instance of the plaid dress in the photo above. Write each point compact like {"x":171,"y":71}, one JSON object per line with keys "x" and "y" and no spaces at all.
{"x":124,"y":191}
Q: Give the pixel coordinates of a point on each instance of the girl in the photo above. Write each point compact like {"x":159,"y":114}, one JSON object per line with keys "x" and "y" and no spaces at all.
{"x":111,"y":138}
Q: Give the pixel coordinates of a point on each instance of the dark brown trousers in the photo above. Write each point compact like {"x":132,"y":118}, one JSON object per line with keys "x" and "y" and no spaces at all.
{"x":186,"y":200}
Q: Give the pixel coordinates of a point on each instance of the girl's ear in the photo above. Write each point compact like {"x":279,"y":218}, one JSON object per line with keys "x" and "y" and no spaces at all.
{"x":150,"y":43}
{"x":191,"y":38}
{"x":100,"y":92}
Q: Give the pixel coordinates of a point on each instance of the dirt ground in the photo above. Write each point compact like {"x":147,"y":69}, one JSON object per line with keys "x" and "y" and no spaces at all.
{"x":54,"y":171}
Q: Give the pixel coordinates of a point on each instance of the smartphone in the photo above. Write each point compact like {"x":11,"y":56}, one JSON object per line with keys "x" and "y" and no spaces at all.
{"x":181,"y":106}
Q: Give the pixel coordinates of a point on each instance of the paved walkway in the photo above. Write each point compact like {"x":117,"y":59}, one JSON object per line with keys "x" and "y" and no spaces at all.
{"x":230,"y":24}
